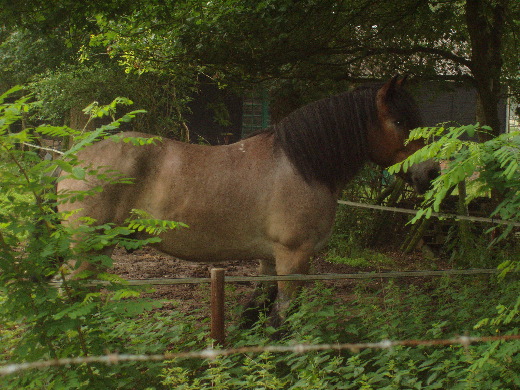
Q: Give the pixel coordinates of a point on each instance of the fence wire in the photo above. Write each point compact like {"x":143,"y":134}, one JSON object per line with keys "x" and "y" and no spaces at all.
{"x":212,"y":353}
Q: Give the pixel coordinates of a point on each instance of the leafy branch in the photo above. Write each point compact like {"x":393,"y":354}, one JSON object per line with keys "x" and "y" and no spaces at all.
{"x":34,"y":244}
{"x":491,"y":167}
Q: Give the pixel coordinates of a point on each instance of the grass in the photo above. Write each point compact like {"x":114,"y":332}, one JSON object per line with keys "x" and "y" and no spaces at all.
{"x":363,"y":259}
{"x":344,"y":250}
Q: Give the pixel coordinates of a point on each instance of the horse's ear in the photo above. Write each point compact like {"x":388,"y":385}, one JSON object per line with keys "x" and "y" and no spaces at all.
{"x":385,"y":93}
{"x":395,"y":80}
{"x":402,"y":82}
{"x":389,"y":87}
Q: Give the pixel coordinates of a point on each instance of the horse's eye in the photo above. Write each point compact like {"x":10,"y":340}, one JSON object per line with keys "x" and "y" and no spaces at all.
{"x":398,"y":123}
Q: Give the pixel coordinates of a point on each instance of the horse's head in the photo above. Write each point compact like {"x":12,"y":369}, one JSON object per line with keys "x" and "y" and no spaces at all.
{"x":397,"y":114}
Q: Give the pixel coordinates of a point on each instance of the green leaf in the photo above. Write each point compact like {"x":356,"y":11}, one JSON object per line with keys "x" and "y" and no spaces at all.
{"x":78,"y":173}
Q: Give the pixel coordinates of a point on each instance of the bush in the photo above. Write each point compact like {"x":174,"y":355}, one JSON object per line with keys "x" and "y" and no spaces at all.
{"x":472,"y":170}
{"x":51,"y":323}
{"x":436,"y":309}
{"x":493,"y":165}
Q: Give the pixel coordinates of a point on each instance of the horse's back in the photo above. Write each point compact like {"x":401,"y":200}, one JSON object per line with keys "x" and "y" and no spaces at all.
{"x":238,"y":200}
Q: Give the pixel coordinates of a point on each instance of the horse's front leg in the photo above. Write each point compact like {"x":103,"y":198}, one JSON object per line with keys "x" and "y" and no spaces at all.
{"x":262,"y":298}
{"x":289,"y":261}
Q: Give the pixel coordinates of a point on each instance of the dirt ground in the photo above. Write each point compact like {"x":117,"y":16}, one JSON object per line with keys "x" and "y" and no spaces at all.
{"x":148,"y":263}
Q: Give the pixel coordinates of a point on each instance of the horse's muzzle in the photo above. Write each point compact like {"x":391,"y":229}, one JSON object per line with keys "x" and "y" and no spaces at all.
{"x":421,"y":175}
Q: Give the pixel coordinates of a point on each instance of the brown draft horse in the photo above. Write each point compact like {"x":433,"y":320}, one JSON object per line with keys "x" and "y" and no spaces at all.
{"x":270,"y":197}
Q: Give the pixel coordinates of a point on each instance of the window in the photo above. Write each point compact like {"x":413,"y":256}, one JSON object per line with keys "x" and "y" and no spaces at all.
{"x":255,"y":112}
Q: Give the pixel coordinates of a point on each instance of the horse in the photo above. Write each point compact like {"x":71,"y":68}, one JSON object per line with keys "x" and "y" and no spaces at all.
{"x":271,"y":197}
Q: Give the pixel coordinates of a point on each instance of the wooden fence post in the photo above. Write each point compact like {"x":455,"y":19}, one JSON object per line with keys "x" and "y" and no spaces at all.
{"x":217,"y":305}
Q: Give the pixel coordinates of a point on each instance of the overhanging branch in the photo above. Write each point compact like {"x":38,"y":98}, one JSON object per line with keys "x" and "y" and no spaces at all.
{"x":364,"y":51}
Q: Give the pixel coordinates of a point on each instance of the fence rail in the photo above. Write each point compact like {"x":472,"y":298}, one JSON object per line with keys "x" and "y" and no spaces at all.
{"x":300,"y":277}
{"x":211,"y":353}
{"x":433,"y":214}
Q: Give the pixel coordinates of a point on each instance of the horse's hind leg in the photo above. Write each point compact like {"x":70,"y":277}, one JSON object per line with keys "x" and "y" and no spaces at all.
{"x":262,"y":299}
{"x":80,"y":268}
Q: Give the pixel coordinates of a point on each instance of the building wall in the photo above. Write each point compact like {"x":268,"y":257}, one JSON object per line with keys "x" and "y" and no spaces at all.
{"x":219,"y":117}
{"x":450,"y":102}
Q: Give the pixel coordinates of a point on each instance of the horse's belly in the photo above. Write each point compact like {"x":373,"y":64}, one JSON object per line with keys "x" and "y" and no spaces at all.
{"x":208,"y":247}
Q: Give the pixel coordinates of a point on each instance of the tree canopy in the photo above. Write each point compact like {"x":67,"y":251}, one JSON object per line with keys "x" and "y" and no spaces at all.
{"x":317,"y":41}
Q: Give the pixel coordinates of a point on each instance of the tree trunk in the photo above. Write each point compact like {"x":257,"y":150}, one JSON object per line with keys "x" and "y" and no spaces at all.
{"x":79,"y":120}
{"x":463,"y":225}
{"x":485,"y":20}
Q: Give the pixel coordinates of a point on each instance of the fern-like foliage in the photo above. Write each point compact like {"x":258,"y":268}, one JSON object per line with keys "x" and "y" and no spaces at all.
{"x":142,"y":221}
{"x":136,"y":141}
{"x":485,"y":167}
{"x":76,"y":319}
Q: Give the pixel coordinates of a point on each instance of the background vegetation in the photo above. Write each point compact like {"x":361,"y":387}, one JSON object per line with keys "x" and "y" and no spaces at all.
{"x":236,"y":44}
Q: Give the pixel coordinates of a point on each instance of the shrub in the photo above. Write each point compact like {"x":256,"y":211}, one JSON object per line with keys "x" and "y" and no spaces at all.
{"x":436,"y":309}
{"x":488,"y":168}
{"x":47,"y":322}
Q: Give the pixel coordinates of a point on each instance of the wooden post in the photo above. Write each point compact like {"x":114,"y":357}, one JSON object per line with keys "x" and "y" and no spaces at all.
{"x":217,"y":305}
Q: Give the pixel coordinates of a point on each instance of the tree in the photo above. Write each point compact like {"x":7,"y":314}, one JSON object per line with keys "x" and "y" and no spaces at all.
{"x":42,"y":46}
{"x":315,"y":41}
{"x":486,"y":23}
{"x":473,"y":41}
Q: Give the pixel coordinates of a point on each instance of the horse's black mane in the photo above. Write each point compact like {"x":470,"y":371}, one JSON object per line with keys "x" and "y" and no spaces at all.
{"x":326,"y":140}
